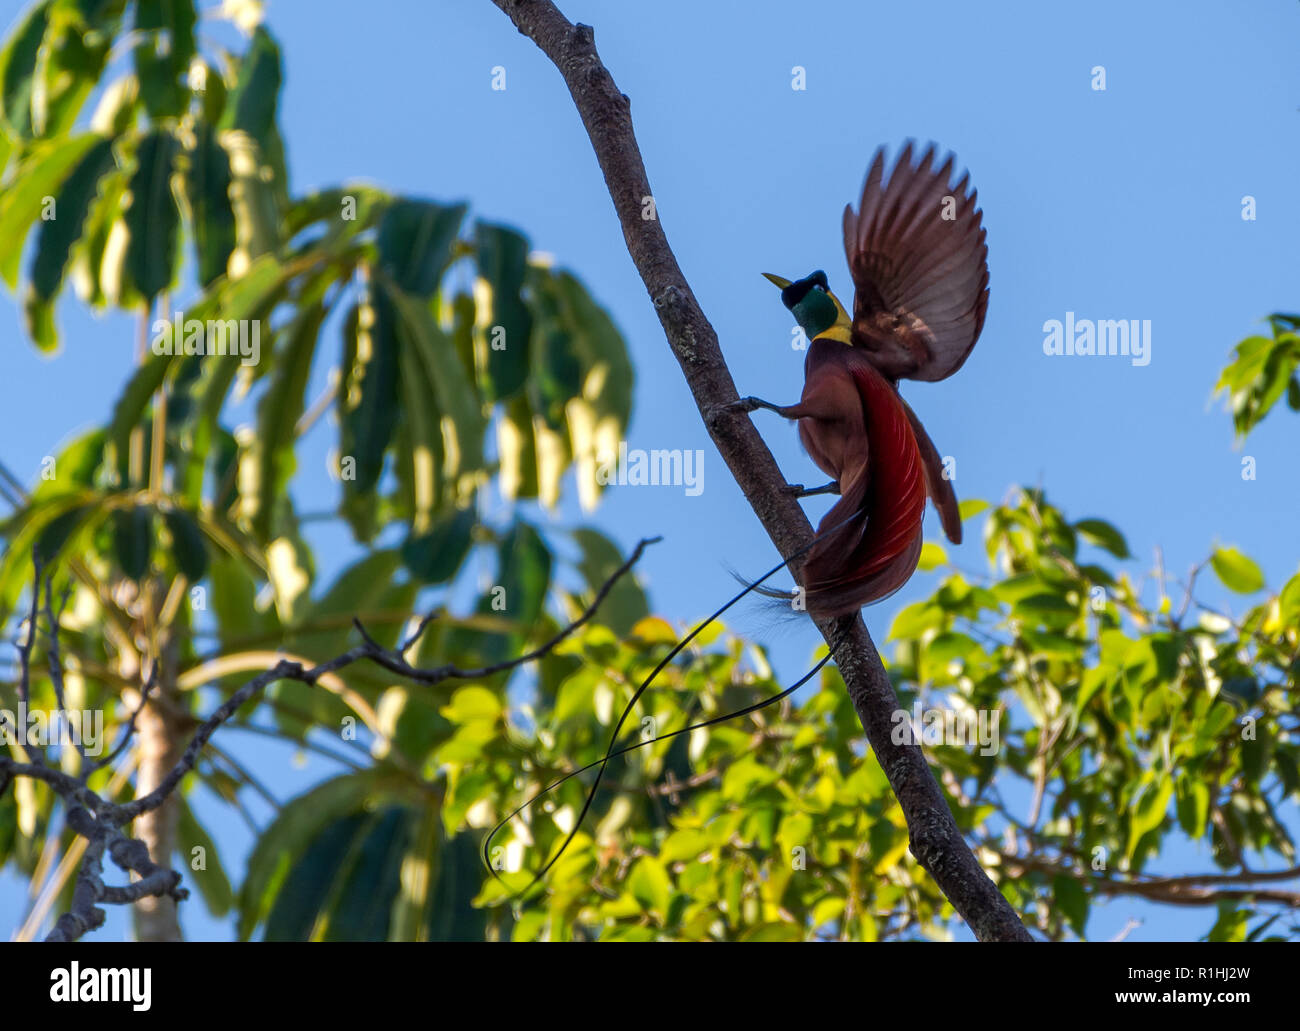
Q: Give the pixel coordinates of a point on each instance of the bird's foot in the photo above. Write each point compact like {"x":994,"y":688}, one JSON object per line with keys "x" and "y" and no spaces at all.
{"x":749,"y":404}
{"x":800,"y":491}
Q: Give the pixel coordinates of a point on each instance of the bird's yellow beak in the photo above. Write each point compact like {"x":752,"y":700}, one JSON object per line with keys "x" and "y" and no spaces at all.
{"x":776,"y":280}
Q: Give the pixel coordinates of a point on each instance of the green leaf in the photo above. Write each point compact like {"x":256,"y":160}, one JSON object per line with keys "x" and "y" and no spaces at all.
{"x":1072,"y":901}
{"x":557,"y":375}
{"x":293,"y":831}
{"x":1149,"y":812}
{"x":370,"y":392}
{"x":153,"y":220}
{"x":971,"y":507}
{"x":116,"y":112}
{"x":39,"y":176}
{"x":133,"y":539}
{"x":252,"y":104}
{"x":366,"y":885}
{"x":421,"y":460}
{"x":96,"y":271}
{"x":1103,"y":535}
{"x":463,"y":422}
{"x":435,"y":555}
{"x":70,"y":65}
{"x":452,"y":916}
{"x":368,"y":585}
{"x":650,"y":886}
{"x":517,"y":450}
{"x":210,"y":877}
{"x":1256,"y":752}
{"x":1238,"y":572}
{"x":255,"y":190}
{"x":234,"y":603}
{"x":473,"y":704}
{"x":598,"y":418}
{"x":57,"y":531}
{"x":75,"y":467}
{"x":518,"y":594}
{"x":296,"y":908}
{"x":932,"y":557}
{"x":189,"y":546}
{"x":502,"y":256}
{"x":1263,"y":369}
{"x":415,"y":243}
{"x":1193,"y":806}
{"x":18,"y":63}
{"x":915,"y":620}
{"x":524,"y":573}
{"x":212,"y":216}
{"x":165,"y":29}
{"x":1231,"y":923}
{"x":278,"y":413}
{"x":420,"y":869}
{"x":1044,"y":604}
{"x":57,"y":235}
{"x":949,"y":646}
{"x":253,"y":294}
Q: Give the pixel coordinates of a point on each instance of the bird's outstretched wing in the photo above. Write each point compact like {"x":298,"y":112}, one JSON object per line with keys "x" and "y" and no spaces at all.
{"x":919,"y":263}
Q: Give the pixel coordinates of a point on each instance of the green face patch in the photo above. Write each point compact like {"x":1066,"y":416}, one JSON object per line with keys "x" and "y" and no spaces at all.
{"x":815,"y":312}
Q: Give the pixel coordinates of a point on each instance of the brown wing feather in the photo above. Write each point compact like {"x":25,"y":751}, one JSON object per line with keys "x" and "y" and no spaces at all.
{"x":939,"y":488}
{"x":920,"y":280}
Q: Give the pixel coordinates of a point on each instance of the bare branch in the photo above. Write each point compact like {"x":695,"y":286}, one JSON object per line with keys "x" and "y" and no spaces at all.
{"x":395,"y":663}
{"x":1194,"y":890}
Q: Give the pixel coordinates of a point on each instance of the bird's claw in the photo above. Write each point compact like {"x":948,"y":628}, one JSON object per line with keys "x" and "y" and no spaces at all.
{"x":800,"y":491}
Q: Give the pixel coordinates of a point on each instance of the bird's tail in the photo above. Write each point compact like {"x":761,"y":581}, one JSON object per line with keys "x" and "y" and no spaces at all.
{"x":868,"y":559}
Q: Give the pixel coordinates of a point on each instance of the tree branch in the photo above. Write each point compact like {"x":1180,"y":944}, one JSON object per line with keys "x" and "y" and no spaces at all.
{"x":1193,"y":890}
{"x":934,"y":837}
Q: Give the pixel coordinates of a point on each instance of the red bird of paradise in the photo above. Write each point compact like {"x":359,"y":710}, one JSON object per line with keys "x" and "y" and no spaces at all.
{"x":919,"y":264}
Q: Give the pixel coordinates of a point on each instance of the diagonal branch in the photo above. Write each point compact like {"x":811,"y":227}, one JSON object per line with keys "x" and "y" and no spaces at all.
{"x":934,"y":837}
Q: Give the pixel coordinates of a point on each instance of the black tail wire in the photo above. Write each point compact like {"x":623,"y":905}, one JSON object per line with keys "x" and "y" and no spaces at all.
{"x":611,"y":752}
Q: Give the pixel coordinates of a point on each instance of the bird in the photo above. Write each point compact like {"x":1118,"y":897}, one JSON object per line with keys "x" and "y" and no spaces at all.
{"x":918,"y":259}
{"x":919,"y":264}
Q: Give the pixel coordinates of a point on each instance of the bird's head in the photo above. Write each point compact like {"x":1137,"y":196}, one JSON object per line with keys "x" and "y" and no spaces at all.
{"x":811,"y":302}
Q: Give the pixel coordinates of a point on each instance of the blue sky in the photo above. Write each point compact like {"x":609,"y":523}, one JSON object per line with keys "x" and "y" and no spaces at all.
{"x":1122,"y":204}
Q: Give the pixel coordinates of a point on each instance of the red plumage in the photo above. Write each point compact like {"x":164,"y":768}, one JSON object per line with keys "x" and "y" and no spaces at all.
{"x":855,"y":427}
{"x":916,"y":251}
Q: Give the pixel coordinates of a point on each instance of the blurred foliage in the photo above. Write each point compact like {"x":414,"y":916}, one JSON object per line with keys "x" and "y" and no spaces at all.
{"x":453,"y":358}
